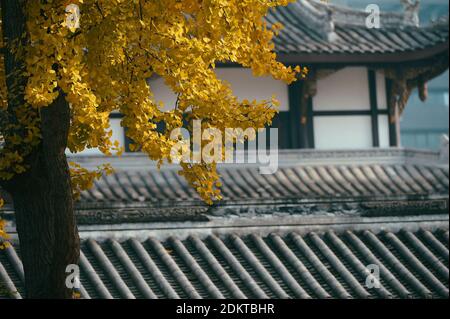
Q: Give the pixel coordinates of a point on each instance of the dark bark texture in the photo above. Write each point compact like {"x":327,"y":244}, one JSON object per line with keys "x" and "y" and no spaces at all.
{"x":42,"y":196}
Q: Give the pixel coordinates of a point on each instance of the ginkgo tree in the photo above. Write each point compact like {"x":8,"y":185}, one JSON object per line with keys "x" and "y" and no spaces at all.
{"x":60,"y":82}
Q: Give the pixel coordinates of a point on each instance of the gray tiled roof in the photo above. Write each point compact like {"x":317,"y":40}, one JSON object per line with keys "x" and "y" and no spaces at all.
{"x":312,"y":27}
{"x":306,"y":175}
{"x":309,"y":182}
{"x":289,"y":265}
{"x":323,"y":181}
{"x":146,"y":235}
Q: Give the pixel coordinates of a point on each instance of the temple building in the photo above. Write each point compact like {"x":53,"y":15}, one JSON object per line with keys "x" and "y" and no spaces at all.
{"x":347,"y":198}
{"x":423,"y":122}
{"x":360,"y":78}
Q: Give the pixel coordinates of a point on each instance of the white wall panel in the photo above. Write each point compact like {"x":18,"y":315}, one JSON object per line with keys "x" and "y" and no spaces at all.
{"x":163,"y":93}
{"x":243,"y":83}
{"x":381,"y":91}
{"x":343,"y":132}
{"x":383,"y":126}
{"x":346,"y":89}
{"x":247,"y":86}
{"x":118,"y":135}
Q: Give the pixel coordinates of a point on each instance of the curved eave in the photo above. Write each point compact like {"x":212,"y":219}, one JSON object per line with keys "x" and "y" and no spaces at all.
{"x":365,"y":58}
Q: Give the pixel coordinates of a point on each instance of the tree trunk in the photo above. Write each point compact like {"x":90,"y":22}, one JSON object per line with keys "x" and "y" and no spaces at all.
{"x":42,"y":196}
{"x":43,"y":205}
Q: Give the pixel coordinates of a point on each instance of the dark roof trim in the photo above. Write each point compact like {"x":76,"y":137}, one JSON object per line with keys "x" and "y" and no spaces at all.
{"x":351,"y":58}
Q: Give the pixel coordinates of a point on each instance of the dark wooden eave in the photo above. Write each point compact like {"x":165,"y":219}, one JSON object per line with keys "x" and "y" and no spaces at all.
{"x":419,"y":56}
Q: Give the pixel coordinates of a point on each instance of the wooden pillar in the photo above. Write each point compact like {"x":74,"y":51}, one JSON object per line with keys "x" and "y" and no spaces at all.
{"x":294,"y":132}
{"x":394,"y":114}
{"x":301,"y":93}
{"x":398,"y":91}
{"x":374,"y":108}
{"x":308,"y":91}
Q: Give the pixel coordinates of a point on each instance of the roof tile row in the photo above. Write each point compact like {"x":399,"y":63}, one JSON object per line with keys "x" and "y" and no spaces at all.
{"x":341,"y":181}
{"x":316,"y":265}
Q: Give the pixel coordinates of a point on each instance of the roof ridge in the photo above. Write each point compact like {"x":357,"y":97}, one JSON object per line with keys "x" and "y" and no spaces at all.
{"x":323,"y":17}
{"x":343,"y":15}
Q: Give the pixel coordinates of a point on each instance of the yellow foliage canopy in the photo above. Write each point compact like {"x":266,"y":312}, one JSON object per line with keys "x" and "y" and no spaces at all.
{"x":103,"y":66}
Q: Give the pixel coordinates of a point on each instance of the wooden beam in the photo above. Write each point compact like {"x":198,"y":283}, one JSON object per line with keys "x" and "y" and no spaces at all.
{"x":406,"y":78}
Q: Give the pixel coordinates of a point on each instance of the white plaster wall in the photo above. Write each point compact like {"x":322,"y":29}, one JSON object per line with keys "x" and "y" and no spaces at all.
{"x":383,"y":126}
{"x":118,"y":135}
{"x":346,"y":89}
{"x":162,"y":93}
{"x":343,"y":132}
{"x":243,"y":83}
{"x":246,"y":86}
{"x":383,"y":120}
{"x":381,"y":91}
